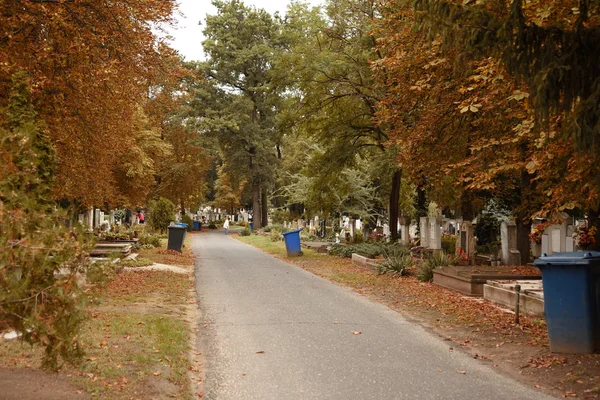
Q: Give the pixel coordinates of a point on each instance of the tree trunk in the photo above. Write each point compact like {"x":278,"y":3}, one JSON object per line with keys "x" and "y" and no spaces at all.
{"x":265,"y":208}
{"x":466,"y":207}
{"x":395,"y":203}
{"x":256,"y":204}
{"x":181,"y":202}
{"x":523,"y":221}
{"x":593,"y":219}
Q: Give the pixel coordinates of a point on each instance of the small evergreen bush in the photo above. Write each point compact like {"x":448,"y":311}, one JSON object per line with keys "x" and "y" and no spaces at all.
{"x":245,"y":232}
{"x":275,"y":235}
{"x":186,"y":219}
{"x":212,"y":226}
{"x":149,"y":240}
{"x":162,"y":212}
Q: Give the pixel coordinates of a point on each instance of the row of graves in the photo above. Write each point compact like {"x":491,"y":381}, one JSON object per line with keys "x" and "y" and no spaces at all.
{"x":500,"y":278}
{"x":112,"y":245}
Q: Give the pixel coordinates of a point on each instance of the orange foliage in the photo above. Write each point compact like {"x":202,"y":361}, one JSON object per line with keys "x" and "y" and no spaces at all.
{"x":92,"y":65}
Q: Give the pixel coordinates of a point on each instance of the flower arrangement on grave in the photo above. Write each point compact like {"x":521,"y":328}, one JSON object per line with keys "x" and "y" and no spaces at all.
{"x":377,"y":237}
{"x":461,"y":254}
{"x":538,"y":231}
{"x":585,"y":237}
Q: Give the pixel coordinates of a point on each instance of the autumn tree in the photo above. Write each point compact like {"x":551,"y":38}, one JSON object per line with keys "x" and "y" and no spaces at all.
{"x":91,"y":65}
{"x":551,"y":47}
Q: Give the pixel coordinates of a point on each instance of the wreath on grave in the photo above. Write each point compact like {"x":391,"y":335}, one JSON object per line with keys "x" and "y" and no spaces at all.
{"x":538,"y":231}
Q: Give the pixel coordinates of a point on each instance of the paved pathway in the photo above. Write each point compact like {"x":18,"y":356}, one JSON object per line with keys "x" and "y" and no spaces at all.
{"x":275,"y":331}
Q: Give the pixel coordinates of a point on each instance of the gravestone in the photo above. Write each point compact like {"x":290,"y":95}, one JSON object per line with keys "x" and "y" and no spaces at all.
{"x":545,"y":245}
{"x":111,"y":218}
{"x":508,"y":233}
{"x":467,"y":239}
{"x":358,"y":224}
{"x":570,"y":242}
{"x":435,"y":233}
{"x":311,"y":226}
{"x":404,"y":231}
{"x":424,"y":225}
{"x":386,"y":230}
{"x":90,"y":220}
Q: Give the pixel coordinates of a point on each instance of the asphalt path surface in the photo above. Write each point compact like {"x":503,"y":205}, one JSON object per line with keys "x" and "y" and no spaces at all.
{"x":271,"y":330}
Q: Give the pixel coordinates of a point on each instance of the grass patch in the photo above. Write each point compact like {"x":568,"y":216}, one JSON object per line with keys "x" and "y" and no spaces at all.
{"x":276,"y":248}
{"x":163,"y":256}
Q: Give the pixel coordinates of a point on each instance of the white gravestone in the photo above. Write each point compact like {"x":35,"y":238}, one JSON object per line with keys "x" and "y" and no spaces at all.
{"x":435,"y":233}
{"x":508,"y":233}
{"x":424,"y":225}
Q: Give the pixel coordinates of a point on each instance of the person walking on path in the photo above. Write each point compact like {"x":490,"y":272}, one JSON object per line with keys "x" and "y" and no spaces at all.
{"x":226,"y":226}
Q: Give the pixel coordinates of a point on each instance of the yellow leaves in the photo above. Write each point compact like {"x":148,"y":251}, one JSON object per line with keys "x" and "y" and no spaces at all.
{"x":471,"y":107}
{"x":518,"y":95}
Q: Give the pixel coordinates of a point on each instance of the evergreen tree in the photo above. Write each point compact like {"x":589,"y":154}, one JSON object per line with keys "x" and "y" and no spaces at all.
{"x":39,"y":257}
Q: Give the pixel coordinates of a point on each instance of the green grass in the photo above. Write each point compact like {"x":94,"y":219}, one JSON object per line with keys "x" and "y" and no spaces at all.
{"x":265,"y":244}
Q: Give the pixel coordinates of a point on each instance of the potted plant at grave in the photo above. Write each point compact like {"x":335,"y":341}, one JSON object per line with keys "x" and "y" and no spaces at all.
{"x":584,"y":237}
{"x":536,"y":238}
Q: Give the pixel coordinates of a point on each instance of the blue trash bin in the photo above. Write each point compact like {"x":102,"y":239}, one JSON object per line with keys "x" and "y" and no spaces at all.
{"x":181,"y":224}
{"x":571,"y":300}
{"x":196,"y":225}
{"x":292,"y":243}
{"x":251,"y":226}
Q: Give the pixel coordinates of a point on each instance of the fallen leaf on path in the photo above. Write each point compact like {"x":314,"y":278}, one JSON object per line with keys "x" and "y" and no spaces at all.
{"x":260,"y":352}
{"x":462,"y":372}
{"x":200,"y":394}
{"x":157,"y":373}
{"x":356,"y":333}
{"x":243,"y":374}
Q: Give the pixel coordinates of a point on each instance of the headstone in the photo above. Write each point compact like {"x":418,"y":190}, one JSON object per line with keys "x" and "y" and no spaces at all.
{"x":90,"y":219}
{"x":424,"y":225}
{"x":545,"y":245}
{"x":508,"y":233}
{"x":97,"y":220}
{"x":111,"y":218}
{"x":570,"y":242}
{"x":311,"y":226}
{"x":435,"y":233}
{"x":358,"y":224}
{"x":81,"y":219}
{"x":404,"y":231}
{"x":467,"y":240}
{"x":352,"y":227}
{"x":386,"y":230}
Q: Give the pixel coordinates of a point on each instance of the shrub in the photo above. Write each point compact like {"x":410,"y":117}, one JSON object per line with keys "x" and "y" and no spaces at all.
{"x":275,"y":235}
{"x":186,"y":219}
{"x":369,"y":250}
{"x":489,"y":248}
{"x":396,"y":263}
{"x":449,"y":244}
{"x":138,"y":262}
{"x":245,"y":232}
{"x":242,"y":224}
{"x":358,"y":237}
{"x":487,"y":229}
{"x":279,"y":216}
{"x":162,"y":212}
{"x":425,"y":269}
{"x":212,"y":226}
{"x":125,"y":235}
{"x":149,"y":240}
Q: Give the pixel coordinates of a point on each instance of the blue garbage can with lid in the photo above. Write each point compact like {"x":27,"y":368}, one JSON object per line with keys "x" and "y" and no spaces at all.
{"x":571,"y":283}
{"x":196,"y":225}
{"x":292,"y":243}
{"x":251,"y":226}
